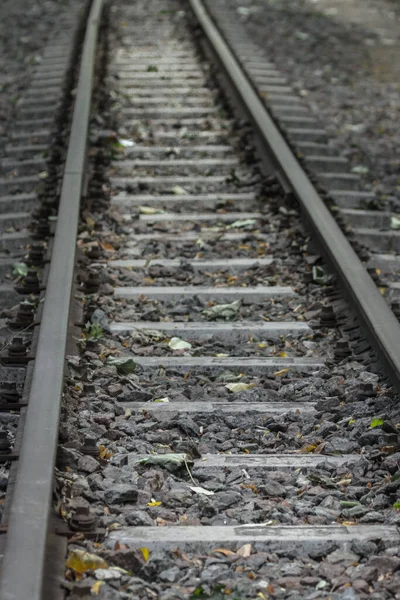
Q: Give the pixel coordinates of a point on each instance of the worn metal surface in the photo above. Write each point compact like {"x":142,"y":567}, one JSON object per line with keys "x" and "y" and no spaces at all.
{"x":382,"y":326}
{"x":23,"y":572}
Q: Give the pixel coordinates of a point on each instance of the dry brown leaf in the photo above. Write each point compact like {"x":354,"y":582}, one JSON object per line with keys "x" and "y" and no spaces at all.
{"x":244,"y":551}
{"x":223,"y":551}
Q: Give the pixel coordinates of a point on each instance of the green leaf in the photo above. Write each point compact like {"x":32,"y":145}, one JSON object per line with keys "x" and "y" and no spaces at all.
{"x":177,"y":460}
{"x":376,"y":423}
{"x":94,"y":331}
{"x":176,"y":343}
{"x":349,"y":503}
{"x":396,"y":505}
{"x":223,"y":311}
{"x":240,"y":224}
{"x":125,"y":366}
{"x":152,"y":69}
{"x":395,"y":222}
{"x":20,"y":270}
{"x":319,"y":276}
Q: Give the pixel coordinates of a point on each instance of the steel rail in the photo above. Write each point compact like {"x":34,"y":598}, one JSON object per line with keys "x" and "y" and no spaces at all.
{"x":382,"y":326}
{"x":23,"y":568}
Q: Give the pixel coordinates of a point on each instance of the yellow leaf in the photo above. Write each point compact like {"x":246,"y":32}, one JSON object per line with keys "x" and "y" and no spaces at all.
{"x":146,"y":553}
{"x":382,"y":290}
{"x":281,"y":372}
{"x":154,"y":503}
{"x":239,"y":387}
{"x":349,"y":523}
{"x":104,"y":453}
{"x":95,"y":589}
{"x":283,"y":355}
{"x":90,"y":222}
{"x":309,"y":448}
{"x":81,"y":561}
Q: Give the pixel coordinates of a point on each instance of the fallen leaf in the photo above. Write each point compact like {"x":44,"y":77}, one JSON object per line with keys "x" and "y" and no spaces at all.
{"x":81,"y":561}
{"x":178,"y":190}
{"x":376,"y":423}
{"x":149,"y":210}
{"x":126,"y":143}
{"x":95,"y":589}
{"x":20,"y":270}
{"x":125,"y":366}
{"x":154,"y":503}
{"x":223,"y":551}
{"x":145,"y":553}
{"x":240,"y":224}
{"x":281,"y":372}
{"x":308,"y":448}
{"x":360,"y":169}
{"x":105,"y":453}
{"x":201,"y":490}
{"x":395,"y":222}
{"x":244,"y":551}
{"x":167,"y":459}
{"x":239,"y":387}
{"x":176,"y":343}
{"x":319,"y":275}
{"x":162,"y":400}
{"x":223,"y":311}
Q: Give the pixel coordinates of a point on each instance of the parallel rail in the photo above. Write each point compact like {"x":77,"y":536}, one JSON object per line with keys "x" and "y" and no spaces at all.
{"x":29,"y":521}
{"x":382,"y":327}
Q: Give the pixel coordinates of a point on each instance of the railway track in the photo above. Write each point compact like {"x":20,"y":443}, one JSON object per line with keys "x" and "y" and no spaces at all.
{"x":229,"y":419}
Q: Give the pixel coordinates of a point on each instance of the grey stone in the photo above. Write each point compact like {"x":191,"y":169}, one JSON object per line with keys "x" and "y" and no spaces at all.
{"x":364,"y":547}
{"x":170,"y":575}
{"x":88,"y":464}
{"x":340,"y":445}
{"x":138,"y":518}
{"x":222,"y":500}
{"x":121,"y":493}
{"x":385,"y":564}
{"x":272,"y":489}
{"x":374,"y":437}
{"x":372,"y":517}
{"x":345,"y":556}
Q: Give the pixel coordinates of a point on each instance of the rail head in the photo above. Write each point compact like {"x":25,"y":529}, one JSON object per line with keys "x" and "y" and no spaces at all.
{"x":381,"y":324}
{"x":24,"y":562}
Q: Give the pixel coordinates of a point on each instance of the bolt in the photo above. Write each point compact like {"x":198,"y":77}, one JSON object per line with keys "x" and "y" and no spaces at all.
{"x":94,"y":252}
{"x":17,"y":348}
{"x":41,"y":212}
{"x":42,"y":229}
{"x":327,"y":317}
{"x":36,"y":254}
{"x":82,"y":520}
{"x":92,"y":283}
{"x":5,"y":446}
{"x":24,"y":316}
{"x":367,"y":389}
{"x":9,"y":392}
{"x":89,"y":447}
{"x":30,"y":284}
{"x":342,"y":350}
